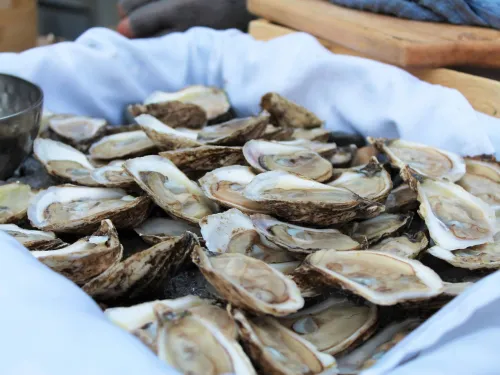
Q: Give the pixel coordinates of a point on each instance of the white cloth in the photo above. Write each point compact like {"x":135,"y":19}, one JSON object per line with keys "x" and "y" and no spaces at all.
{"x":49,"y":326}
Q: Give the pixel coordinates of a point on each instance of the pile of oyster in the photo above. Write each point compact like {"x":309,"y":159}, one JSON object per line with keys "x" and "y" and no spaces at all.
{"x":263,"y":244}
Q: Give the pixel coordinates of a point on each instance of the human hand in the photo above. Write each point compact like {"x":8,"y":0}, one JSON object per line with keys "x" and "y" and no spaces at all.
{"x":145,"y":18}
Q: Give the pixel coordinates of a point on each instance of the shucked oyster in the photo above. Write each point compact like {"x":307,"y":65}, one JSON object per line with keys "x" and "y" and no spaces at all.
{"x":268,"y":156}
{"x":225,"y":186}
{"x":301,"y":239}
{"x":278,"y":350}
{"x":122,"y":145}
{"x":87,"y":257}
{"x":286,"y":113}
{"x":174,"y":113}
{"x":143,"y":271}
{"x":75,"y":209}
{"x":334,"y":325}
{"x":425,"y":160}
{"x":455,"y":218}
{"x":370,"y":181}
{"x":33,"y":239}
{"x":213,"y":100}
{"x":170,"y":188}
{"x":249,"y":283}
{"x":156,"y":230}
{"x":233,"y":232}
{"x":77,"y":130}
{"x":64,"y":161}
{"x":14,"y":200}
{"x":112,"y":175}
{"x":380,"y":278}
{"x":234,"y":132}
{"x":385,"y":225}
{"x":482,"y":179}
{"x":196,"y":346}
{"x":306,"y":201}
{"x":406,"y":246}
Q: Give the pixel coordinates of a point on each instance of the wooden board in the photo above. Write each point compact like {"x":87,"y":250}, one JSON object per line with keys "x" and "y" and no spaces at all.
{"x":384,"y":38}
{"x":482,"y":93}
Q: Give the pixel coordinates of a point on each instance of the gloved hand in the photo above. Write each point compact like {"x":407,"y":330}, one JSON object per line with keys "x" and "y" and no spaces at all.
{"x":145,"y":18}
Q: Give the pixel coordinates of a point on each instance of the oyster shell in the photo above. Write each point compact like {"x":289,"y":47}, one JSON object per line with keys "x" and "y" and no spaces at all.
{"x":405,"y":246}
{"x":364,"y":155}
{"x":122,"y":145}
{"x":334,"y":325}
{"x":268,"y":156}
{"x":286,"y":113}
{"x":277,"y":133}
{"x":234,"y":132}
{"x":287,"y":268}
{"x":249,"y":283}
{"x":64,"y":161}
{"x":225,"y":186}
{"x":370,"y":181}
{"x":112,"y":175}
{"x":233,"y":232}
{"x":14,"y":201}
{"x":77,"y":130}
{"x":385,"y":225}
{"x":486,"y":256}
{"x":401,"y":199}
{"x":142,"y":272}
{"x":482,"y":179}
{"x":306,"y":201}
{"x":204,"y":158}
{"x":75,"y":209}
{"x":344,"y":156}
{"x":301,"y":239}
{"x":318,"y":134}
{"x":174,"y":113}
{"x":195,"y":346}
{"x":381,"y":278}
{"x":156,"y":230}
{"x":278,"y":350}
{"x":455,"y":218}
{"x":212,"y":100}
{"x":324,"y":149}
{"x":170,"y":188}
{"x":87,"y":257}
{"x":33,"y":239}
{"x":425,"y":160}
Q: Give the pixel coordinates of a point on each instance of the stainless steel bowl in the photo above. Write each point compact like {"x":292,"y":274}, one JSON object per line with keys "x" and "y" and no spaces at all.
{"x":20,"y":113}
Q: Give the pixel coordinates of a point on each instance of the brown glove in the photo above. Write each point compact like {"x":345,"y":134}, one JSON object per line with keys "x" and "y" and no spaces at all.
{"x":145,"y":18}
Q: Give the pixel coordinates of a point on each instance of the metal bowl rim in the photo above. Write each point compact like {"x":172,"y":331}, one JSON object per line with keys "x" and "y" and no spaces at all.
{"x":31,"y":107}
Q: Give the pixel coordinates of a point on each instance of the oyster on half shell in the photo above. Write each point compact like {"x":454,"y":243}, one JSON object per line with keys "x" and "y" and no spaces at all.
{"x":286,"y":113}
{"x":249,"y":283}
{"x":234,"y":132}
{"x":406,"y":246}
{"x":334,"y":325}
{"x":225,"y":186}
{"x":159,"y":229}
{"x":401,"y":199}
{"x":344,"y":156}
{"x":14,"y":201}
{"x":381,"y":278}
{"x":174,"y":113}
{"x":33,"y":239}
{"x":77,"y":130}
{"x":170,"y":188}
{"x":295,"y":238}
{"x":269,"y":156}
{"x":278,"y":350}
{"x":78,"y":209}
{"x":385,"y":225}
{"x":87,"y":257}
{"x":306,"y":201}
{"x":425,"y":160}
{"x":317,"y":134}
{"x":120,"y":145}
{"x":112,"y":175}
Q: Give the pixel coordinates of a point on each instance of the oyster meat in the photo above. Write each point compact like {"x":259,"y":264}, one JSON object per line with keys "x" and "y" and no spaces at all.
{"x":286,"y":113}
{"x":159,"y":229}
{"x":482,"y":179}
{"x":212,"y":100}
{"x":373,"y":230}
{"x":122,"y":145}
{"x":225,"y":186}
{"x":370,"y":181}
{"x":381,"y":278}
{"x":87,"y":257}
{"x":406,"y":246}
{"x":75,"y":209}
{"x":425,"y":160}
{"x":174,"y":113}
{"x":170,"y":188}
{"x":33,"y":239}
{"x":196,"y":346}
{"x":295,"y":238}
{"x":334,"y":325}
{"x":249,"y":283}
{"x":306,"y":201}
{"x":14,"y":200}
{"x":278,"y":350}
{"x":77,"y":130}
{"x":269,"y":156}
